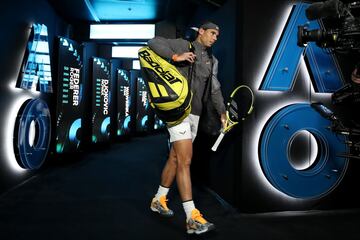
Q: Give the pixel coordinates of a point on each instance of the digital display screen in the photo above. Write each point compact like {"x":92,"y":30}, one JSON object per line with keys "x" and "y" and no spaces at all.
{"x":35,"y":72}
{"x":124,"y":103}
{"x":101,"y":100}
{"x":144,"y":115}
{"x":69,"y":96}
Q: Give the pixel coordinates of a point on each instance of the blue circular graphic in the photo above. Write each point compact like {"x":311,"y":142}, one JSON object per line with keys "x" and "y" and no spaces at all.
{"x":32,"y":156}
{"x":105,"y":126}
{"x":126,"y":125}
{"x":144,"y":121}
{"x":74,"y":128}
{"x":324,"y":174}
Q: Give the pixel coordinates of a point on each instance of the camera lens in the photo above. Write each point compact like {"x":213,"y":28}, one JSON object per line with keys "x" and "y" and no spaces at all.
{"x":320,"y":37}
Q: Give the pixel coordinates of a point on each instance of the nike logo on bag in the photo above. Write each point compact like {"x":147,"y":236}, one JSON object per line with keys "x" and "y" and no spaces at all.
{"x":182,"y":133}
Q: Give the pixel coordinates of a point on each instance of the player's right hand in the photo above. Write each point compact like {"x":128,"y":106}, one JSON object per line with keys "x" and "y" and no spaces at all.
{"x":186,"y":56}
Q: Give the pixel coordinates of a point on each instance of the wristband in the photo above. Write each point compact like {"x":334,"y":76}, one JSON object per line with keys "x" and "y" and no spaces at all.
{"x":174,"y":58}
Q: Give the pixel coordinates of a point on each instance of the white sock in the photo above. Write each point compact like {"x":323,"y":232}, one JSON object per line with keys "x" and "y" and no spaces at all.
{"x":161,"y":191}
{"x":188,"y":207}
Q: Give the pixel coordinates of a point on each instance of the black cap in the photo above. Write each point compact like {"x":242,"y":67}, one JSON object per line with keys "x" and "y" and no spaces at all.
{"x":209,"y":25}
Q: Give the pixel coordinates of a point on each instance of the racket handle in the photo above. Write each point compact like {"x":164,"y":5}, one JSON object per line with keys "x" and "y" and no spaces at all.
{"x":218,"y":141}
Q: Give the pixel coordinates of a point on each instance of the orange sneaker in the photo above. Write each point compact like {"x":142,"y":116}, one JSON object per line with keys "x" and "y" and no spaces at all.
{"x":160,"y":206}
{"x":197,"y":224}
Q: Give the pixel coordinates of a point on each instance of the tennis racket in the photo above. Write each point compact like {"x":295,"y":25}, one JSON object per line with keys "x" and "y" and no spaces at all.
{"x":238,"y":107}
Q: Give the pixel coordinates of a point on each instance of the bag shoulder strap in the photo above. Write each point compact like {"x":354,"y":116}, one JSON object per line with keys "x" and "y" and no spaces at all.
{"x":208,"y":85}
{"x":191,"y":67}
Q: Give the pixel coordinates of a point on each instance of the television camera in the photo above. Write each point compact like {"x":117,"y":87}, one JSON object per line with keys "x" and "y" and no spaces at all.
{"x":340,"y":33}
{"x":343,"y":36}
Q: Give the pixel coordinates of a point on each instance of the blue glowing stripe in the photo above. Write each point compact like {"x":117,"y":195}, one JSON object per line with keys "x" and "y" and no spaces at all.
{"x":92,"y":10}
{"x":36,"y":69}
{"x":40,"y":47}
{"x":42,"y":59}
{"x":47,"y":69}
{"x":281,"y":73}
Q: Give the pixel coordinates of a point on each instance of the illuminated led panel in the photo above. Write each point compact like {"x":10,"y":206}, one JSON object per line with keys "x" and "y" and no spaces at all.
{"x":101,"y":100}
{"x":125,"y":51}
{"x":122,"y":31}
{"x":123,"y":103}
{"x":144,"y":114}
{"x":69,"y":96}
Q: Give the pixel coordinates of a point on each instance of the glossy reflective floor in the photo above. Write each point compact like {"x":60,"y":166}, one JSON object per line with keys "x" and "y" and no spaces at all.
{"x":106,"y":195}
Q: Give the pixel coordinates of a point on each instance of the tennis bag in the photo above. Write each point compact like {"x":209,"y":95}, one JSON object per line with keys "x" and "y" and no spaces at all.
{"x":169,"y":91}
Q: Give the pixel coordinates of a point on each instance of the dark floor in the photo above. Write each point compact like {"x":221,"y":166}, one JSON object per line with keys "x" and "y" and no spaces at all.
{"x":106,"y":195}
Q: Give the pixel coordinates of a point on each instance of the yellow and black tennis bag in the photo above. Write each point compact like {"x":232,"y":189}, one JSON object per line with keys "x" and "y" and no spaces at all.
{"x":169,"y":91}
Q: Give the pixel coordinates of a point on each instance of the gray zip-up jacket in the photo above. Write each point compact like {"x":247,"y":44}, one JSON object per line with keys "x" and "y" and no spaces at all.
{"x":201,"y":72}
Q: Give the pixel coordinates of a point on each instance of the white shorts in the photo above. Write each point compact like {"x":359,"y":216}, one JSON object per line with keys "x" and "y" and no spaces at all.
{"x":187,"y":129}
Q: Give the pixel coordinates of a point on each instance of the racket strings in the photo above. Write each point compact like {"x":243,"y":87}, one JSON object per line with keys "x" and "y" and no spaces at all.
{"x":233,"y":113}
{"x":242,"y":100}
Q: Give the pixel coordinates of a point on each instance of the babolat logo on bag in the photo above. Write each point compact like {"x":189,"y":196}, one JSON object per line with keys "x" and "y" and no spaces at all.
{"x":169,"y":90}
